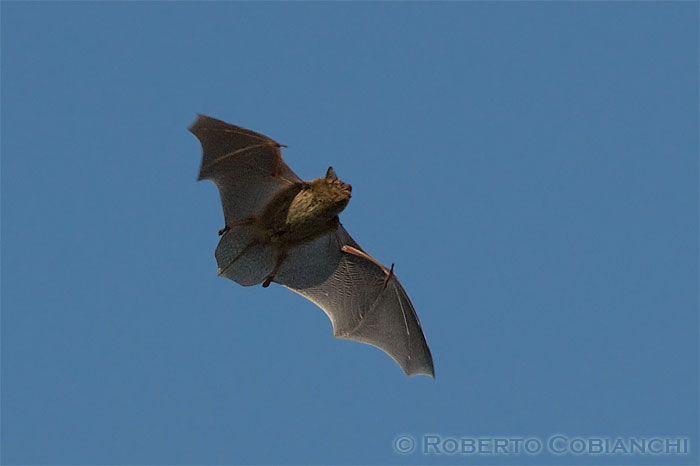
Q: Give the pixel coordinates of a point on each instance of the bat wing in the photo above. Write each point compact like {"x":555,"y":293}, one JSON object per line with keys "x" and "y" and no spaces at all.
{"x":363,"y":299}
{"x":247,"y":167}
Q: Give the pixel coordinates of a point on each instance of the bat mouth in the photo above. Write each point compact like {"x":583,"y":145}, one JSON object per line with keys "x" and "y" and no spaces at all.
{"x":344,"y":187}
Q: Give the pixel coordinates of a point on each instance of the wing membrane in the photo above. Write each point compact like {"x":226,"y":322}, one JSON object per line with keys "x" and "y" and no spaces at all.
{"x":242,"y":258}
{"x":247,"y":167}
{"x":363,"y":299}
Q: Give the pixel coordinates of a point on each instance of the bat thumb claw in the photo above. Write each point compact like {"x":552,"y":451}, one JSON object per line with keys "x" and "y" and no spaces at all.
{"x":389,"y":275}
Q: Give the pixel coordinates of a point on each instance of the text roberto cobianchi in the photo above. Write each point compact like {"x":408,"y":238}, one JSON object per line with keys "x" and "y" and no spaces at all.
{"x":555,"y":444}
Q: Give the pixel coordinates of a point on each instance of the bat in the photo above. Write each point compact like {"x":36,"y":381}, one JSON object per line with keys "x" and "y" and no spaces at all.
{"x":281,"y":229}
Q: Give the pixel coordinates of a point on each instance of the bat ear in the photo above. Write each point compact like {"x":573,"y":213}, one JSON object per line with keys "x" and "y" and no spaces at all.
{"x":330,"y":174}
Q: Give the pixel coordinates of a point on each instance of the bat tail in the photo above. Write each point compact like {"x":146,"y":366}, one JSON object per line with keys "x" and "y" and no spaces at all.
{"x":244,"y":259}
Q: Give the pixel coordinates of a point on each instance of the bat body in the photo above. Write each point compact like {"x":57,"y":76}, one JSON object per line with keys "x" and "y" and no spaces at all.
{"x":284,"y":230}
{"x":295,"y":214}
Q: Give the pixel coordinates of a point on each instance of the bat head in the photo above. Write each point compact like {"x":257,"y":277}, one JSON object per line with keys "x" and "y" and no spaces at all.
{"x":331,"y":195}
{"x":333,"y":180}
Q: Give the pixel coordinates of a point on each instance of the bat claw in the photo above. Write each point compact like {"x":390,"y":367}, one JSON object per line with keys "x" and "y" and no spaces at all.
{"x":389,"y":275}
{"x":239,"y":223}
{"x":271,"y":277}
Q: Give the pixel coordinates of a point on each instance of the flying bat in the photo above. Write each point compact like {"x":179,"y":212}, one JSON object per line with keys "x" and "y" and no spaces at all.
{"x":282,"y":229}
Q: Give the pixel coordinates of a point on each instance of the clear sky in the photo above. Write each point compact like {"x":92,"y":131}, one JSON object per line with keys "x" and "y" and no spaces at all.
{"x":531,"y":168}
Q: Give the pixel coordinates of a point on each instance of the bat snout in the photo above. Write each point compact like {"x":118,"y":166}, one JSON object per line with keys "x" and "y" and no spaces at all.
{"x":344,"y":188}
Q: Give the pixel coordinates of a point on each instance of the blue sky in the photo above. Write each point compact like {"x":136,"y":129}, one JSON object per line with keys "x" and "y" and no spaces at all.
{"x":531,"y":168}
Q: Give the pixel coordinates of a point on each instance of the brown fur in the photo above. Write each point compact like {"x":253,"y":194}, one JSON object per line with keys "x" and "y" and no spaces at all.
{"x":303,"y":211}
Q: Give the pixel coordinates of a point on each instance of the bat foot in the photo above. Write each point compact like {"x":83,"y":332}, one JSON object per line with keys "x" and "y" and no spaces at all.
{"x":240,"y":223}
{"x":280,"y":259}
